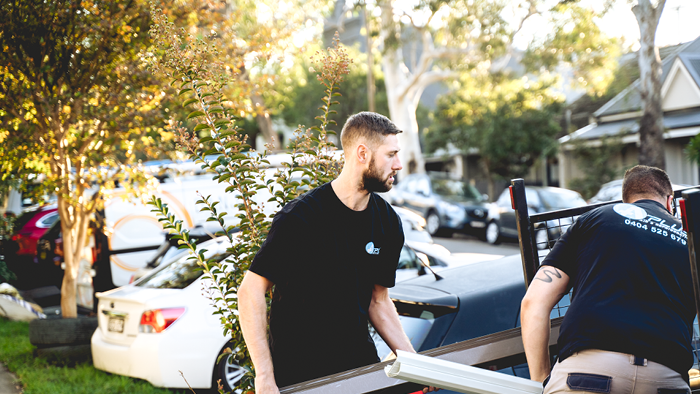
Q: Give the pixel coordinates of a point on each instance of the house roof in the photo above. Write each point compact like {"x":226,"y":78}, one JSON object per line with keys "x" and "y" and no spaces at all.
{"x":629,"y":100}
{"x":691,"y":61}
{"x":677,"y":120}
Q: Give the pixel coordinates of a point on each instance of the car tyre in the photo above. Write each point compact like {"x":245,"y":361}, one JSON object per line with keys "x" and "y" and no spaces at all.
{"x":230,"y":374}
{"x":66,"y":353}
{"x":433,"y":226}
{"x":492,"y":233}
{"x":60,"y":332}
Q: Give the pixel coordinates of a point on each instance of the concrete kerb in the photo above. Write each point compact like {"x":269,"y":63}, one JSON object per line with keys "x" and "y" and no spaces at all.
{"x":8,"y":381}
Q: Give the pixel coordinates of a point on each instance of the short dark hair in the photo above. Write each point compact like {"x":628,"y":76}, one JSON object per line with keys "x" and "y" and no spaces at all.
{"x":645,"y":181}
{"x":367,"y":126}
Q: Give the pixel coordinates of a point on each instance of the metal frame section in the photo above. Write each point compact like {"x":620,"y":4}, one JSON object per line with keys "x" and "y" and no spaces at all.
{"x":496,"y":351}
{"x":691,"y":222}
{"x":526,"y":237}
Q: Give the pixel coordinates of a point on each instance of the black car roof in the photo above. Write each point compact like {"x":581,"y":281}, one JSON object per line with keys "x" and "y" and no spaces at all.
{"x":460,"y":281}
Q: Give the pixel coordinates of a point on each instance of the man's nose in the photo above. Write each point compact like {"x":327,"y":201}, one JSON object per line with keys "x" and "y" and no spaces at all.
{"x":396,"y":165}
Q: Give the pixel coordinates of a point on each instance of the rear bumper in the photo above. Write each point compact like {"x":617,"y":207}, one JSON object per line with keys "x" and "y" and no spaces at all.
{"x":158,"y":359}
{"x":138,"y":360}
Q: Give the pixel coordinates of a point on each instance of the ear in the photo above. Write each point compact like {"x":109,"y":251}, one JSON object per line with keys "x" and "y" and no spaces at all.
{"x":363,"y":153}
{"x":669,"y":203}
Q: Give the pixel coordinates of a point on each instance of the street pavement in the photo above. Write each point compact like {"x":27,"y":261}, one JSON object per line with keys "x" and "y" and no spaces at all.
{"x":466,"y":249}
{"x":7,"y":382}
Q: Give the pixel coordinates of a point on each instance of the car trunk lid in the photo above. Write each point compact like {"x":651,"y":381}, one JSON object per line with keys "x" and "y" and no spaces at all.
{"x":119,"y":311}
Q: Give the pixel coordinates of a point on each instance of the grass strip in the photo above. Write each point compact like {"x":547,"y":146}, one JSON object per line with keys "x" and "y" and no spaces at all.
{"x":39,"y":376}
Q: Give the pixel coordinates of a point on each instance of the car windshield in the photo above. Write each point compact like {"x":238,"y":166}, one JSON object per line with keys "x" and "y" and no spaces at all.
{"x":561,"y":199}
{"x":177,"y":275}
{"x":455,"y":189}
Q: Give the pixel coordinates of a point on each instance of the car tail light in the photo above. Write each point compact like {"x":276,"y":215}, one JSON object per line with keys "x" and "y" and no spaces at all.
{"x":157,"y":320}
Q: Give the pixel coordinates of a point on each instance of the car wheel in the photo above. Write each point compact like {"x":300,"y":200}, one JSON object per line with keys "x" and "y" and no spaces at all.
{"x":228,"y":372}
{"x":432,"y":224}
{"x":493,"y":233}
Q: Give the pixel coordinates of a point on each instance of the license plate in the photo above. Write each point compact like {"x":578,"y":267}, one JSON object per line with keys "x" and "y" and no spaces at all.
{"x":115,"y":324}
{"x":478,"y":224}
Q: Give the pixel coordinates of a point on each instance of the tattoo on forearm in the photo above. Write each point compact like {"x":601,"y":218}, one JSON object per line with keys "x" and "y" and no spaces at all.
{"x":547,"y":272}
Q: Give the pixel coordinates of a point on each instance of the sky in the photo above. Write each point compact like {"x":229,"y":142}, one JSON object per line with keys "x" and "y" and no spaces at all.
{"x":679,"y":23}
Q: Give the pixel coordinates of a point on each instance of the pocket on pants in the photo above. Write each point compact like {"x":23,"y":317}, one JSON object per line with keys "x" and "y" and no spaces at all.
{"x":589,"y":382}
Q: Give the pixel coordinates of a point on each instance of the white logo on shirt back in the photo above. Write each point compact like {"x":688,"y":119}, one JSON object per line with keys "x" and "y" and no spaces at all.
{"x":630,"y":211}
{"x":371,"y":249}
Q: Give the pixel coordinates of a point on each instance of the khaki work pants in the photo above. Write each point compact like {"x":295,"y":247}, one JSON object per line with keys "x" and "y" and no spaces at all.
{"x":598,"y":371}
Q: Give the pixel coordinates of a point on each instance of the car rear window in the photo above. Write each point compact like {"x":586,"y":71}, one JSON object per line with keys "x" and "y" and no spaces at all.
{"x":177,"y":275}
{"x":457,"y":189}
{"x":561,"y":199}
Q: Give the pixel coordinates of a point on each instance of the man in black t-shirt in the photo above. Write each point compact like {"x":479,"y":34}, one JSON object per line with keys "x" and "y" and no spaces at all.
{"x":629,"y":326}
{"x":331,"y":255}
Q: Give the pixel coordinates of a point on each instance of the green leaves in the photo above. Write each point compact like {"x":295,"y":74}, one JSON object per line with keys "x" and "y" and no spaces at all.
{"x":195,"y":114}
{"x":188,"y":102}
{"x":509,"y":122}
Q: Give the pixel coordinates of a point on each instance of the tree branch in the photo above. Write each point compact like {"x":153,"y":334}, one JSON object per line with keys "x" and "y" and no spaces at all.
{"x":428,"y":78}
{"x":426,"y":62}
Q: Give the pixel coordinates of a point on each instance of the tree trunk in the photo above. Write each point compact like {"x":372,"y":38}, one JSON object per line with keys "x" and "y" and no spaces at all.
{"x":402,"y":107}
{"x":403,"y":114}
{"x":69,"y":307}
{"x":371,"y":90}
{"x":75,"y":221}
{"x":489,"y":178}
{"x":265,"y":123}
{"x":651,"y":127}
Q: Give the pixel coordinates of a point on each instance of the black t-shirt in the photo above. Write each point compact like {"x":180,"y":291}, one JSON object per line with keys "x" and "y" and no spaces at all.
{"x":632,"y":290}
{"x":324,"y":259}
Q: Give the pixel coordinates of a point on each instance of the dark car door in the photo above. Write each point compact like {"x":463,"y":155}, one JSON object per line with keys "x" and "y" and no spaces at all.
{"x":507,"y":215}
{"x":417,"y":195}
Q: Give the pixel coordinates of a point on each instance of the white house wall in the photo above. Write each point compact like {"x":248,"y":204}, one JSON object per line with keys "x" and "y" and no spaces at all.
{"x":679,"y":169}
{"x":681,"y":91}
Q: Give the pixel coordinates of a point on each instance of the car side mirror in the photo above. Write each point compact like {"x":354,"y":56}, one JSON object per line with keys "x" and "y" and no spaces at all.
{"x":421,"y":270}
{"x":424,"y":192}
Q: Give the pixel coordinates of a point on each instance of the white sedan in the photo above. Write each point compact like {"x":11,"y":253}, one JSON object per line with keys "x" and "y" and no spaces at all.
{"x":163,"y":325}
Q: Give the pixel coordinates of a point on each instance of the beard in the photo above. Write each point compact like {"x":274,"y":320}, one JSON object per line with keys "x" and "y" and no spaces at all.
{"x":372,"y":180}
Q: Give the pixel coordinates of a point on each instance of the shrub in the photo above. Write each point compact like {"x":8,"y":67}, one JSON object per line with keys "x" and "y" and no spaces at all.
{"x":216,"y":142}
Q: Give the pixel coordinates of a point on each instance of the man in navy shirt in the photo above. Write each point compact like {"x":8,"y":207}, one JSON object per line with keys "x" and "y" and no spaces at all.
{"x":331,"y":255}
{"x":629,"y":326}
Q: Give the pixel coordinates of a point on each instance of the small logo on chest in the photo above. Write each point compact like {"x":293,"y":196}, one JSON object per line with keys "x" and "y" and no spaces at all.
{"x":371,"y":249}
